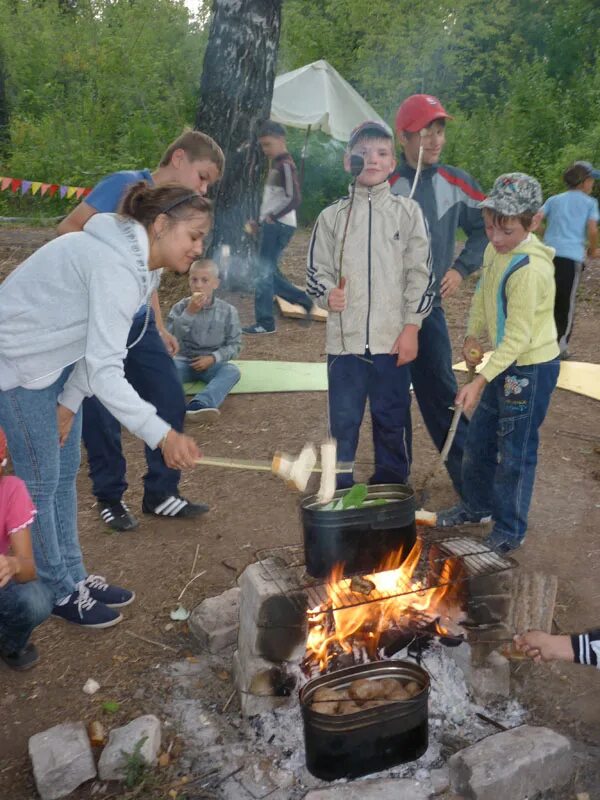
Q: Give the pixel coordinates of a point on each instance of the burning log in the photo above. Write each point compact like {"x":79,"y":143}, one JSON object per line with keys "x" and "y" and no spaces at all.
{"x":361,"y":585}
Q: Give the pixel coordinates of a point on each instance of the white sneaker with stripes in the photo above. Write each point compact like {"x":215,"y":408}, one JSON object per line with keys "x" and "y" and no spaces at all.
{"x":173,"y":506}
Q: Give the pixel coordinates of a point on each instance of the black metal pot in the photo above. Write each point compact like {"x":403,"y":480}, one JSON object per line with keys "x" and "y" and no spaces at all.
{"x":360,"y":538}
{"x":368,"y":741}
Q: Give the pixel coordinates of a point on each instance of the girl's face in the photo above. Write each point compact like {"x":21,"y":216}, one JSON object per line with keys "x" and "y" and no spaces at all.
{"x":175,"y":244}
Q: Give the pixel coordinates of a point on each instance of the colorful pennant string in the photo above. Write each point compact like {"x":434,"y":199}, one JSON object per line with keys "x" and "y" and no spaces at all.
{"x":21,"y":186}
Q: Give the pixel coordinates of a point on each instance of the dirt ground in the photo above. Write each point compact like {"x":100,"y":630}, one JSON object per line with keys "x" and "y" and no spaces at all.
{"x":250,"y":511}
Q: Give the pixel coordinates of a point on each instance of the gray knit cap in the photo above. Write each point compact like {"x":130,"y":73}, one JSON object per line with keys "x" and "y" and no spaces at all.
{"x":513,"y":194}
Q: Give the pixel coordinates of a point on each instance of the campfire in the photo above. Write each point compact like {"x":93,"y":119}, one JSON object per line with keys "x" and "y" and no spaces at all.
{"x":363,"y":616}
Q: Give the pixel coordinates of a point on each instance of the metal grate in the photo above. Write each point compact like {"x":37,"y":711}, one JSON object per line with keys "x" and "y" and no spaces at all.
{"x":285,"y":567}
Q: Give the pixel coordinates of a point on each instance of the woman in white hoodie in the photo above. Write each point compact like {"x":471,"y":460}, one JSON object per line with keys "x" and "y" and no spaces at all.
{"x":65,"y":315}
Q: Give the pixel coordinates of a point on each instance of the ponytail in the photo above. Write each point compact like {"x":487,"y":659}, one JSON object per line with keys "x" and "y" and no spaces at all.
{"x":144,"y":203}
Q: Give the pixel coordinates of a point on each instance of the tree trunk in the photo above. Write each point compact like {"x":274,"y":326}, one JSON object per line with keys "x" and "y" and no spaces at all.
{"x":235,"y":97}
{"x":4,"y":113}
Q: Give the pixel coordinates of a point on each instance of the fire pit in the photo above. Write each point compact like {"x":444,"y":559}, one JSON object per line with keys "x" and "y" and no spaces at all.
{"x":372,"y":732}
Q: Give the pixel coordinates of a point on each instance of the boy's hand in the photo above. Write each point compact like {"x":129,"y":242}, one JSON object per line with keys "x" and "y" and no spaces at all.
{"x":593,"y":252}
{"x":9,"y":567}
{"x":468,"y":396}
{"x":336,"y":300}
{"x":169,"y":341}
{"x":450,"y":283}
{"x":202,"y":362}
{"x":64,"y":418}
{"x":472,"y":351}
{"x":179,"y":451}
{"x":542,"y":646}
{"x":406,"y":345}
{"x":197,"y":302}
{"x":251,"y":227}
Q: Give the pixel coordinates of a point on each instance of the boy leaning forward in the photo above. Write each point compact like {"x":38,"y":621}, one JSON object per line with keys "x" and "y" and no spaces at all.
{"x":514,"y":305}
{"x":368,"y":264}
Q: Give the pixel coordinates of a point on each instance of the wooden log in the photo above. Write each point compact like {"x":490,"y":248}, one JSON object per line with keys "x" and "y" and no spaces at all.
{"x":533,"y":600}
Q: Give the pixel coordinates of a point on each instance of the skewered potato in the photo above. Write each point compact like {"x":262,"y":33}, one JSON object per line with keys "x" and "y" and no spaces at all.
{"x":413,"y":688}
{"x":364,"y":689}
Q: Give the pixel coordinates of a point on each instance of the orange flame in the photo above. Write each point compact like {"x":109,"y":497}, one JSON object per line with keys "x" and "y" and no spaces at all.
{"x":333,"y":628}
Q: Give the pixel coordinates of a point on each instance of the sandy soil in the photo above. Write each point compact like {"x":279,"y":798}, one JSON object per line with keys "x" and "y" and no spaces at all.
{"x":250,"y":511}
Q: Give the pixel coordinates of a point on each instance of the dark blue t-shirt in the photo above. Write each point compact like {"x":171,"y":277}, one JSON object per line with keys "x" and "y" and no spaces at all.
{"x":107,"y":194}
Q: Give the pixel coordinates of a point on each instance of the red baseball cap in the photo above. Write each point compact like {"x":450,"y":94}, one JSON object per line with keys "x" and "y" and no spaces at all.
{"x":418,"y":111}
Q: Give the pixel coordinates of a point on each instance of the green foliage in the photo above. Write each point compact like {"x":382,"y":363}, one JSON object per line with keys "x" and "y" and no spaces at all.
{"x":136,"y":766}
{"x":98,"y":85}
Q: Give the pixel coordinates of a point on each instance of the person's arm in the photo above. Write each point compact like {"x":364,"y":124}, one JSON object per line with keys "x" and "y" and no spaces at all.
{"x":75,"y":221}
{"x":321,"y":273}
{"x":592,"y":239}
{"x":233,"y":339}
{"x":19,"y":564}
{"x":470,"y":219}
{"x":170,"y":341}
{"x":586,"y":647}
{"x":477,"y":325}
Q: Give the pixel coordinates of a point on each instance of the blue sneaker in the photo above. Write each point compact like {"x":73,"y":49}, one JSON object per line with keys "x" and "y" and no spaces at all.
{"x":81,"y":609}
{"x":204,"y":413}
{"x":458,"y":515}
{"x":257,"y":329}
{"x":103,"y":592}
{"x":500,"y":545}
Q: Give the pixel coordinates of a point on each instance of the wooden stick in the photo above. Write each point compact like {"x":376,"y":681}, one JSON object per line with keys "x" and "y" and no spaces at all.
{"x":451,"y":434}
{"x":151,"y":641}
{"x":259,"y":465}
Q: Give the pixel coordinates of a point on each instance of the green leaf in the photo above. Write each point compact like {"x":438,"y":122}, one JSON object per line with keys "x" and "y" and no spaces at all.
{"x":356,"y":496}
{"x":111,"y":706}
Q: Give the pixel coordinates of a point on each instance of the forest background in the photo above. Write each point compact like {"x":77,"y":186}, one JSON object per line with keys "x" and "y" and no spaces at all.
{"x":91,"y":86}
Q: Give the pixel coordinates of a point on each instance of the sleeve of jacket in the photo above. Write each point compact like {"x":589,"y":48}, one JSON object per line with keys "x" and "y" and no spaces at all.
{"x":477,"y":324}
{"x":179,"y":322}
{"x":471,"y":221}
{"x":113,"y":299}
{"x":233,"y":338}
{"x":419,"y":280}
{"x":321,"y":272}
{"x":291,"y":187}
{"x":523,"y":291}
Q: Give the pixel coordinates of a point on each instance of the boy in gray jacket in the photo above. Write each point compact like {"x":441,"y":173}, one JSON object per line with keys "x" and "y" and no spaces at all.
{"x":209,"y":335}
{"x":368,"y":265}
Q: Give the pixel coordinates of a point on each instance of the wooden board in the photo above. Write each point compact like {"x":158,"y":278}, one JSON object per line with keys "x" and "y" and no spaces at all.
{"x":294,"y":311}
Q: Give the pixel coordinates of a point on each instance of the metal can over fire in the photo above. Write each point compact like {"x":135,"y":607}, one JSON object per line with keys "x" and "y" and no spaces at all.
{"x":379,"y":736}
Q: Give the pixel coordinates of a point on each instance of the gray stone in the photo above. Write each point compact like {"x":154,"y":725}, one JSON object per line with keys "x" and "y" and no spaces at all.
{"x":492,"y":680}
{"x":273,"y":621}
{"x":122,"y":743}
{"x":215,"y":621}
{"x":389,"y":789}
{"x":261,"y":684}
{"x":515,"y":764}
{"x":440,"y":780}
{"x":62,"y":759}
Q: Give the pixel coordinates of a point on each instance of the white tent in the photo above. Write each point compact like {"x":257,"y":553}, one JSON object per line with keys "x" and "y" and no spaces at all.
{"x":316,"y":97}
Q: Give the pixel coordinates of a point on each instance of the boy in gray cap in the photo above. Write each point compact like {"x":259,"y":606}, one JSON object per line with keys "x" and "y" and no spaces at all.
{"x":514,"y":305}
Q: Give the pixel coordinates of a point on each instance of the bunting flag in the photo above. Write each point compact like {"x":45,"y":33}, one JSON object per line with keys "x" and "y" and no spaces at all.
{"x":22,"y":186}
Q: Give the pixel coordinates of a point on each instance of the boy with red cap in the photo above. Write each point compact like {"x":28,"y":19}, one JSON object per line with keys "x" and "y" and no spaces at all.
{"x":449,"y":200}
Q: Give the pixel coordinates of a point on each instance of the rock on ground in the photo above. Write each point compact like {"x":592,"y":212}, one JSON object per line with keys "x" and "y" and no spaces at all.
{"x":62,"y":759}
{"x":122,"y":743}
{"x":515,"y":764}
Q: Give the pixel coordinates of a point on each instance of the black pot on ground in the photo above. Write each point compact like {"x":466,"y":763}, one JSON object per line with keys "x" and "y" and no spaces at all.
{"x":360,"y":538}
{"x":370,"y":740}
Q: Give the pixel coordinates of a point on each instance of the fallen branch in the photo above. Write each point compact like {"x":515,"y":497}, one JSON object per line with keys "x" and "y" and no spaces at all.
{"x":195,"y":559}
{"x":189,"y":583}
{"x":151,"y":641}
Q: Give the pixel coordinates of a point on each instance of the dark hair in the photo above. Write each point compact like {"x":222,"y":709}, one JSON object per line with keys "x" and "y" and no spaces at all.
{"x":144,"y":203}
{"x":197,"y":146}
{"x":525,"y":218}
{"x":270,"y":128}
{"x":575,"y":175}
{"x":371,"y":134}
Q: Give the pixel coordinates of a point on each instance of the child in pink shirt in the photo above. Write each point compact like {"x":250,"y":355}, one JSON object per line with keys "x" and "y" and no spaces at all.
{"x":24,"y":602}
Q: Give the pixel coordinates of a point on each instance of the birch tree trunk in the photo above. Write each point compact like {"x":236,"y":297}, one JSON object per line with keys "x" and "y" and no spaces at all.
{"x":235,"y":97}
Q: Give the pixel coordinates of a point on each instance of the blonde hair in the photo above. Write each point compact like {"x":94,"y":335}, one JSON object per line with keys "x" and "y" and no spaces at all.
{"x":205,"y":263}
{"x":197,"y":146}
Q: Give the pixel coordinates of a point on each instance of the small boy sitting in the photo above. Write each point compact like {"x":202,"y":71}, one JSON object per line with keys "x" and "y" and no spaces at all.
{"x":368,"y":264}
{"x":514,"y":305}
{"x":24,"y":602}
{"x":209,"y":334}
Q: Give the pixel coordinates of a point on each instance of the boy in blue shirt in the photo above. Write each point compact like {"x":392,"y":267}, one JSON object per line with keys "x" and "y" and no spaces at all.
{"x":571,"y":218}
{"x":195,"y":161}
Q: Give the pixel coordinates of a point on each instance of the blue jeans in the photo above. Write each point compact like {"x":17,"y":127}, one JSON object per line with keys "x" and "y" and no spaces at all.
{"x":353,"y":379}
{"x":274,"y":238}
{"x":219,"y":379}
{"x":501,"y":450}
{"x":435,"y":389}
{"x":23,"y":606}
{"x":50,"y":472}
{"x":150,"y":370}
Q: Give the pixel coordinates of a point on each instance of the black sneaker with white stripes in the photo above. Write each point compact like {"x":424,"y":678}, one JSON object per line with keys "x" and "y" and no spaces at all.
{"x":172,"y":506}
{"x":117,"y":516}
